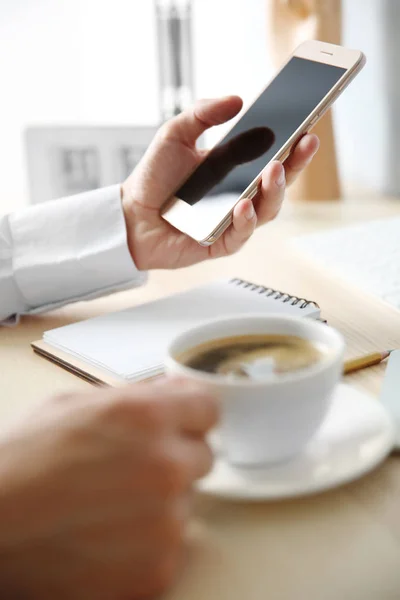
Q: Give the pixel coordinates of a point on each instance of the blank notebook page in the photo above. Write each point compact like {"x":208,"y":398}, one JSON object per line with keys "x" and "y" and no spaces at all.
{"x":366,"y":255}
{"x":132,"y":343}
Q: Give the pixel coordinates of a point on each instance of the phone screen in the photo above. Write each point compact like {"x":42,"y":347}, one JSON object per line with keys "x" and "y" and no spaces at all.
{"x":263,"y":130}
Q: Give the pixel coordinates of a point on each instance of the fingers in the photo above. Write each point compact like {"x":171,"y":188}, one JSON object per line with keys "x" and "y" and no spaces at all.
{"x":154,"y":408}
{"x":269,"y":198}
{"x":276,"y":177}
{"x":179,"y":461}
{"x":301,"y":157}
{"x":189,"y":125}
{"x":193,"y":411}
{"x":271,"y":193}
{"x":243,"y":225}
{"x":197,"y":458}
{"x":173,"y":404}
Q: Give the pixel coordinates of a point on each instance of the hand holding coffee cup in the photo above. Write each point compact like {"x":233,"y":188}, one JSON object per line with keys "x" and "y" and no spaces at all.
{"x":274,"y":375}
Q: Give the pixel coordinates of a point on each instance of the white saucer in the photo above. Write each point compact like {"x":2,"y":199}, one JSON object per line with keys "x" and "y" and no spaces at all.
{"x":356,"y":436}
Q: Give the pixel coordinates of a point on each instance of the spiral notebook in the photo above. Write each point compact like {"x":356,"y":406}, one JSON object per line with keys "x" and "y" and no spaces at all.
{"x":130,"y":345}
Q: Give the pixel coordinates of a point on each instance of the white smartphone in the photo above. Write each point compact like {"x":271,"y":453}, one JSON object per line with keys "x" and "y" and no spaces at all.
{"x":297,"y":97}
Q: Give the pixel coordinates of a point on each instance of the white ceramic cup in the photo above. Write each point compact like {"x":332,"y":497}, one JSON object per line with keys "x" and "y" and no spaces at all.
{"x":271,"y":420}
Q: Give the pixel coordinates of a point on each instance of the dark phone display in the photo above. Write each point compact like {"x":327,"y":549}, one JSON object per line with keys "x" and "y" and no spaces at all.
{"x":263,"y":129}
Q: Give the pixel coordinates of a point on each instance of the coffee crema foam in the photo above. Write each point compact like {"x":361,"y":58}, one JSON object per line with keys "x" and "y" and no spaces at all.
{"x":254,"y":356}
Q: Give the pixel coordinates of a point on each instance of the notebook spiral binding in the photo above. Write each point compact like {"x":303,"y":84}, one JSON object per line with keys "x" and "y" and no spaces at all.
{"x":275,"y":294}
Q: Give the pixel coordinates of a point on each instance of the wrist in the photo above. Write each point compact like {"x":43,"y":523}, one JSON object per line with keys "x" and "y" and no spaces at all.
{"x":128,"y":212}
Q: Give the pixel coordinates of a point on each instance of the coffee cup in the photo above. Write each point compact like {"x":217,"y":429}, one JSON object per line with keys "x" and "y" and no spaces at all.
{"x":269,"y":419}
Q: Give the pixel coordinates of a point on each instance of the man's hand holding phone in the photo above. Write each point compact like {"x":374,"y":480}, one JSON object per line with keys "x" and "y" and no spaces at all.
{"x":172,"y":156}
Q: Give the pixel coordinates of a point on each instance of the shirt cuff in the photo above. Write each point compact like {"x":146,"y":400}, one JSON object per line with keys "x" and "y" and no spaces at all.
{"x":71,"y":249}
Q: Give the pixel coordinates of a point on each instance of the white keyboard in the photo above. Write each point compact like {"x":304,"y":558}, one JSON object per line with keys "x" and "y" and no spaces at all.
{"x":366,"y":255}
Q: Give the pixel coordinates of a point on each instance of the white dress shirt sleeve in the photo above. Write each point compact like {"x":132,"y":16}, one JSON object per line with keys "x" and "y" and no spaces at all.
{"x":64,"y":251}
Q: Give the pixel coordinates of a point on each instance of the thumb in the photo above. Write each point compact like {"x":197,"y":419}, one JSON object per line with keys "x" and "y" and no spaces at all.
{"x":170,"y":157}
{"x":189,"y":125}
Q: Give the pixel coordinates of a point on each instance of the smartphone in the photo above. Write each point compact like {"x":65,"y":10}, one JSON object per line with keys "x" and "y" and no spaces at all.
{"x":298,"y":96}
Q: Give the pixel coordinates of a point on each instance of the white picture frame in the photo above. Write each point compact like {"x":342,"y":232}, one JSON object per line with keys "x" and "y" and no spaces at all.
{"x":66,"y":160}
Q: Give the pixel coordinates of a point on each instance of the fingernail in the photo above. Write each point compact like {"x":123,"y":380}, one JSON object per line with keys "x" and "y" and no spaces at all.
{"x":317,"y":146}
{"x":249,"y":212}
{"x":311,"y":157}
{"x":281,"y":179}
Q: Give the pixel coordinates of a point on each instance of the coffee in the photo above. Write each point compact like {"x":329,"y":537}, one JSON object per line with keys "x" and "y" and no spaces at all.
{"x":254,"y":356}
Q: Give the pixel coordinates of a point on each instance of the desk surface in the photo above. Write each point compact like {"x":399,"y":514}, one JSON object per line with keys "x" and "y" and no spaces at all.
{"x":342,"y":544}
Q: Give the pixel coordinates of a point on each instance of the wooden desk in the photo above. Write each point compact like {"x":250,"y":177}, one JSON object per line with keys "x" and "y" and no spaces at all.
{"x":343,"y":544}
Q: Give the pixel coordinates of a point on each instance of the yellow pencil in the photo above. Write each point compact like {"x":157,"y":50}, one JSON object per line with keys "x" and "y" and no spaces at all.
{"x":365,"y":361}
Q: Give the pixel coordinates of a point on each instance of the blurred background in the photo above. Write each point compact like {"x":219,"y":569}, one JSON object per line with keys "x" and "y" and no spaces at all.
{"x":85,"y":84}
